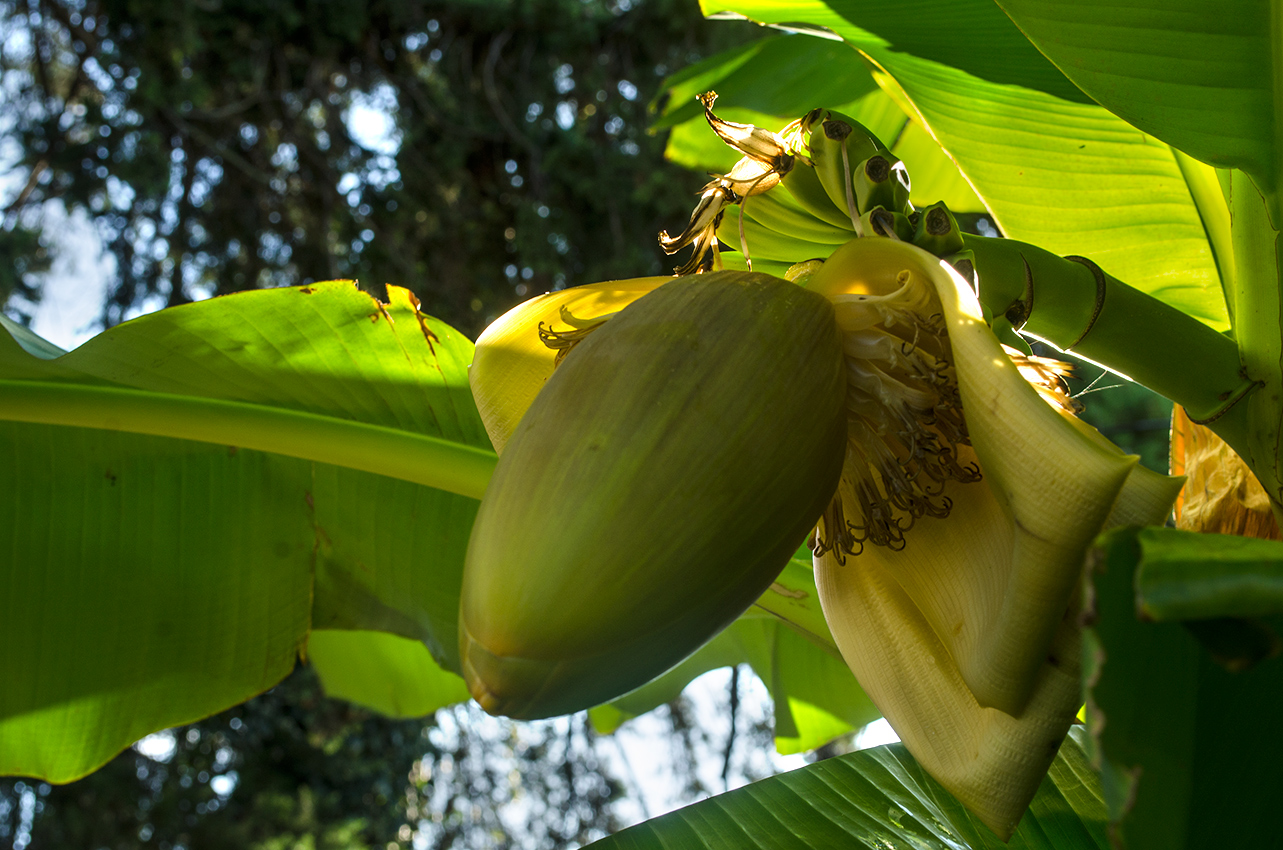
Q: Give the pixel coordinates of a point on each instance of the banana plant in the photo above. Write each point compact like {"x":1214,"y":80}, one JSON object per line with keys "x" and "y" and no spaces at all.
{"x":825,"y":448}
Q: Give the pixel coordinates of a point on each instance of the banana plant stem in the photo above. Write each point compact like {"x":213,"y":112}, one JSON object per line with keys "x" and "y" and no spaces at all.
{"x":1258,"y":259}
{"x":1079,"y":308}
{"x":422,"y":459}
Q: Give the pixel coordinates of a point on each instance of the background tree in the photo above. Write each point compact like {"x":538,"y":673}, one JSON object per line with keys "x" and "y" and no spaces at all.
{"x":209,"y":145}
{"x":293,"y":768}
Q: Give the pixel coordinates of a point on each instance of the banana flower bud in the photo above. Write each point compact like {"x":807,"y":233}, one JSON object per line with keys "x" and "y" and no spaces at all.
{"x":643,"y":502}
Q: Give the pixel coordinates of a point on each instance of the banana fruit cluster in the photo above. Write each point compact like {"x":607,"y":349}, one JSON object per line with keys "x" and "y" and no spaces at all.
{"x":836,"y":181}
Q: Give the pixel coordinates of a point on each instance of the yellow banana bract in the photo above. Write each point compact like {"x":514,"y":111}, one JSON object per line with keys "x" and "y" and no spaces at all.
{"x":516,"y":363}
{"x":967,"y":638}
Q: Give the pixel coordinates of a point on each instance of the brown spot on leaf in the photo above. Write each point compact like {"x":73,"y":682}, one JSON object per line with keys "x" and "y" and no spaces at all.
{"x":306,"y":290}
{"x":111,"y":477}
{"x":785,"y":591}
{"x":428,"y":335}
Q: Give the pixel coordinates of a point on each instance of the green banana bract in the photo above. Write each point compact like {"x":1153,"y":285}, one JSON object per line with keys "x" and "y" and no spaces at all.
{"x":653,"y":489}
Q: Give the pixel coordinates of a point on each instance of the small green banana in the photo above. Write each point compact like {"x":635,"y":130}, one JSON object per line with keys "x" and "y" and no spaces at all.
{"x":937,"y":231}
{"x":838,"y":145}
{"x":879,"y":221}
{"x":803,"y":184}
{"x":733,"y":261}
{"x":757,"y":241}
{"x":881,"y":180}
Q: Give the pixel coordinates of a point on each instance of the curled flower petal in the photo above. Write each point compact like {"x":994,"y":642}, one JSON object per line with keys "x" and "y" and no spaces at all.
{"x":758,"y":143}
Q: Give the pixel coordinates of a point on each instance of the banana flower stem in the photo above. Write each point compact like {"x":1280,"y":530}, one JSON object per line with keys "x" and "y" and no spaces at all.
{"x":1258,"y":282}
{"x":1073,"y":304}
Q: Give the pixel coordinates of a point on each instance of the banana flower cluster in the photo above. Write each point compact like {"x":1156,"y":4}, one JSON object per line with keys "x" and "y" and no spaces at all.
{"x":768,"y":156}
{"x":950,"y":526}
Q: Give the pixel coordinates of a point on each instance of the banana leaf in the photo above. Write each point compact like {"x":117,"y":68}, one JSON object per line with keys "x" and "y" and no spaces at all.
{"x":150,"y":580}
{"x":1051,"y":166}
{"x":877,"y":798}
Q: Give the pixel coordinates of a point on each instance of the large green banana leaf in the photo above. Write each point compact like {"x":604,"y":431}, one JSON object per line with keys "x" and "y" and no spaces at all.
{"x":769,"y":83}
{"x":1204,"y":77}
{"x":876,"y":799}
{"x":1051,"y":166}
{"x":150,"y":580}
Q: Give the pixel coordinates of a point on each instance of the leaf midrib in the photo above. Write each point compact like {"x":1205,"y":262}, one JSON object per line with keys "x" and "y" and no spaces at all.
{"x":419,"y":458}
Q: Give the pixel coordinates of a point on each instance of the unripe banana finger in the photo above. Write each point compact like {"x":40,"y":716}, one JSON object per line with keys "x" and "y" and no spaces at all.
{"x":881,"y":181}
{"x":938,"y":232}
{"x":838,"y":145}
{"x":734,"y":261}
{"x":804,"y":186}
{"x":764,"y":243}
{"x":880,"y":221}
{"x":789,"y":219}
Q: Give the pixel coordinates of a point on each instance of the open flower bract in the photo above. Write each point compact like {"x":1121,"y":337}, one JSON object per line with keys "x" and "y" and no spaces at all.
{"x":967,"y":636}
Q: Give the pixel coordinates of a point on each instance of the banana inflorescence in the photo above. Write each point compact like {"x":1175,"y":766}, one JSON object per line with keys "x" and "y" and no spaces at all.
{"x":667,"y":444}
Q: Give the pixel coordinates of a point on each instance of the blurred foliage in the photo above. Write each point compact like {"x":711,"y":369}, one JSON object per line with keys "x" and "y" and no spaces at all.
{"x":211,"y":142}
{"x":292,"y":769}
{"x":1136,"y":419}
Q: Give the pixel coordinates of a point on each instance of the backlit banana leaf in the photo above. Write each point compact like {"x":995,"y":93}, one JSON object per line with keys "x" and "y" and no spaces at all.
{"x":393,"y":675}
{"x":816,"y":697}
{"x":150,"y":580}
{"x":773,"y":81}
{"x":1200,"y":76}
{"x":1053,"y":168}
{"x":876,"y":799}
